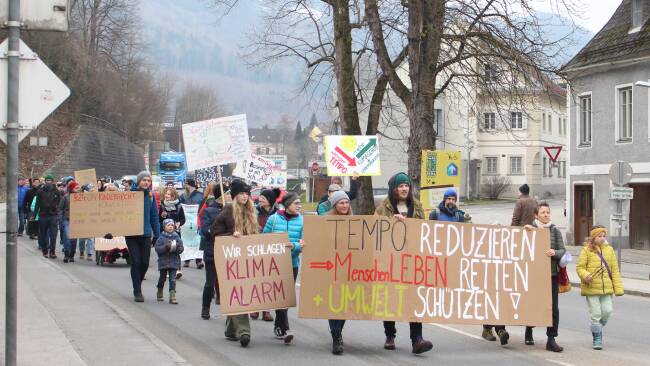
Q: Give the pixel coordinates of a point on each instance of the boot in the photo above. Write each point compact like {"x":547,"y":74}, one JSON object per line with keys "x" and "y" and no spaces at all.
{"x":488,"y":335}
{"x":528,"y":339}
{"x":390,"y":343}
{"x":159,"y":295}
{"x":337,"y":343}
{"x":552,"y":346}
{"x":421,"y":346}
{"x":137,"y":297}
{"x":503,"y":336}
{"x":205,"y":312}
{"x":598,"y":341}
{"x":244,"y":340}
{"x":267,"y":317}
{"x":172,"y":297}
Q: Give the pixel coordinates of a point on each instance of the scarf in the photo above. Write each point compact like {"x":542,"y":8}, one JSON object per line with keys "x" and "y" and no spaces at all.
{"x":539,"y":224}
{"x":170,"y":205}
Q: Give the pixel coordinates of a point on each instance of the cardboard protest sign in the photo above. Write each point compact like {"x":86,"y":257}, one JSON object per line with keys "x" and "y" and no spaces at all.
{"x":440,"y":169}
{"x":255,"y":273}
{"x":85,"y":176}
{"x":278,"y":177}
{"x":350,"y":155}
{"x":95,"y":214}
{"x":204,"y":176}
{"x":118,"y":242}
{"x":368,"y":267}
{"x":190,"y":234}
{"x":216,"y":141}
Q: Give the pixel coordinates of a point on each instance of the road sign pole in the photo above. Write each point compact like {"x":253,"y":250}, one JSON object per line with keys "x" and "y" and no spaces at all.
{"x":619,"y":211}
{"x":13,"y":65}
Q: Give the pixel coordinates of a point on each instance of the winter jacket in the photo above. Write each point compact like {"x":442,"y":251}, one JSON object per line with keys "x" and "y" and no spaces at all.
{"x":263,"y":216}
{"x":167,"y":260}
{"x":323,"y":208}
{"x":29,"y":198}
{"x":388,"y":207}
{"x":209,"y":212}
{"x":64,"y":207}
{"x":279,"y":222}
{"x":48,"y":201}
{"x":195,"y":198}
{"x":151,"y":223}
{"x":442,"y":213}
{"x":524,"y":213}
{"x":352,"y":193}
{"x":601,"y":284}
{"x":557,"y":244}
{"x":22,"y":192}
{"x":177,"y":214}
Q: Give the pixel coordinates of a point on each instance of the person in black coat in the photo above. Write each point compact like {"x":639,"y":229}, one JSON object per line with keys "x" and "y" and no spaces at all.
{"x":210,"y":208}
{"x":27,"y":206}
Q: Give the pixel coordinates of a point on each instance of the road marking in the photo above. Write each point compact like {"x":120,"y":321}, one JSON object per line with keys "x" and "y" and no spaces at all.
{"x":559,"y":362}
{"x":456,"y":331}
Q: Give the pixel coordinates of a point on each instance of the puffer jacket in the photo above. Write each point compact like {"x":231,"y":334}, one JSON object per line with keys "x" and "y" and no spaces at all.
{"x":557,"y":244}
{"x":167,"y":260}
{"x":279,"y":222}
{"x":601,"y":283}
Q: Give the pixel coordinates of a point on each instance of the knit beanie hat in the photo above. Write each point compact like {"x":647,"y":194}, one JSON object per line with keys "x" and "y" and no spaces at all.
{"x":401,"y":178}
{"x":450,"y":192}
{"x":49,"y":176}
{"x":338,"y":196}
{"x":597,"y":231}
{"x":271,"y":194}
{"x":190,"y":182}
{"x":72,"y":185}
{"x":289,"y":198}
{"x":239,"y":186}
{"x":167,"y":222}
{"x":524,"y":189}
{"x":142,"y":175}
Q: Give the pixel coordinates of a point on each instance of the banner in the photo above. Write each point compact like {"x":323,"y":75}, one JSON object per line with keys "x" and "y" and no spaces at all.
{"x":204,"y":176}
{"x":376,"y":268}
{"x":255,"y":273}
{"x":216,"y":141}
{"x":440,"y":169}
{"x":350,"y":155}
{"x":86,"y":176}
{"x":95,"y":214}
{"x":190,"y":234}
{"x":118,"y":242}
{"x":268,"y":171}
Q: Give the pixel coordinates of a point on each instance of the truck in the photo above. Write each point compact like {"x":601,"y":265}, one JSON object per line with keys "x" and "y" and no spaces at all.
{"x":172,"y":168}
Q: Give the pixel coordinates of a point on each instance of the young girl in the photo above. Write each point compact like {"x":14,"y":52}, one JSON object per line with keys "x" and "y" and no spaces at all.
{"x":600,"y":278}
{"x":340,"y":203}
{"x":169,"y":246}
{"x":237,"y":219}
{"x":171,"y":208}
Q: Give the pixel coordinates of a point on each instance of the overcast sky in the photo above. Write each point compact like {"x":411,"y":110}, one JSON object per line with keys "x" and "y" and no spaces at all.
{"x":593,"y":14}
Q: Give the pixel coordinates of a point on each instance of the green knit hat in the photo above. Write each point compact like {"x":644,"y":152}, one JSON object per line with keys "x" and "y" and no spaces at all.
{"x":401,"y":178}
{"x":49,"y":176}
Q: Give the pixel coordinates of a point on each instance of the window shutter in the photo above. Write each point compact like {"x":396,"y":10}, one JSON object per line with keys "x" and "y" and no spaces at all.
{"x":524,"y":120}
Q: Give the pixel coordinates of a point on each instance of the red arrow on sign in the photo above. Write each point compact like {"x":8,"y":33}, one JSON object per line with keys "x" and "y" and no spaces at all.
{"x":351,"y":161}
{"x":322,"y":265}
{"x":553,"y":155}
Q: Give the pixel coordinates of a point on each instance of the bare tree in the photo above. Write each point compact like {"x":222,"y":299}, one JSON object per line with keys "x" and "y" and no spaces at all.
{"x":196,"y":103}
{"x":495,"y":186}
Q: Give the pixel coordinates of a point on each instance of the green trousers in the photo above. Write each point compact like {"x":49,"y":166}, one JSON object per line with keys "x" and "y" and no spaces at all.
{"x":237,"y":325}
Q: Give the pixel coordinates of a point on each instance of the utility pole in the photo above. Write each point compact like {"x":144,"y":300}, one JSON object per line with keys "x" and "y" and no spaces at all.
{"x":13,"y":63}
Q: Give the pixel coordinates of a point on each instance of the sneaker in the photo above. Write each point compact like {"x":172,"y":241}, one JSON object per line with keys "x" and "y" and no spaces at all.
{"x":421,"y":346}
{"x":390,"y":343}
{"x":283,"y":335}
{"x":488,"y":335}
{"x":65,"y":259}
{"x":205,"y":313}
{"x":288,"y":337}
{"x":244,"y":340}
{"x":528,"y":338}
{"x":503,"y":336}
{"x":179,"y":274}
{"x":200,"y":265}
{"x":71,"y":259}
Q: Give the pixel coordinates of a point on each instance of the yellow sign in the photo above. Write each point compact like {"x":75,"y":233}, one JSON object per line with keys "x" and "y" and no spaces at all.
{"x":440,"y":170}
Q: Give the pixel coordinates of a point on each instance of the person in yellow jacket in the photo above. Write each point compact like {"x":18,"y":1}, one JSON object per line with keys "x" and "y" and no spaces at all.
{"x":600,"y":279}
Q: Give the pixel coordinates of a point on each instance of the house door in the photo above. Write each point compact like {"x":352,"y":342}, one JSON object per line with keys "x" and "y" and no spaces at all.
{"x":640,"y":217}
{"x":582,"y":212}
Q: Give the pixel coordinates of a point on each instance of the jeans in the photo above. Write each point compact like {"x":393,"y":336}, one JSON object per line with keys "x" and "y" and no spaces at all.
{"x":211,"y":283}
{"x":87,"y":245}
{"x":163,"y":277}
{"x":551,"y":332}
{"x":21,"y":220}
{"x":336,"y":325}
{"x":600,"y":309}
{"x":69,"y":245}
{"x":282,"y":315}
{"x":47,"y":230}
{"x":139,"y":253}
{"x":415,"y":328}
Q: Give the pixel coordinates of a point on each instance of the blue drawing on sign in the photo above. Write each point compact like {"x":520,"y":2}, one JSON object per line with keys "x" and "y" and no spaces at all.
{"x":452,"y":170}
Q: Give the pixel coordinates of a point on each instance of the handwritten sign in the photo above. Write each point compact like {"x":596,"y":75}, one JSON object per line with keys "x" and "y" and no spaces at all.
{"x":118,"y":242}
{"x":94,"y":214}
{"x":85,"y":176}
{"x":216,"y":141}
{"x":255,"y":273}
{"x":350,"y":155}
{"x":440,"y":169}
{"x":206,"y":175}
{"x":190,"y":234}
{"x":367,"y":267}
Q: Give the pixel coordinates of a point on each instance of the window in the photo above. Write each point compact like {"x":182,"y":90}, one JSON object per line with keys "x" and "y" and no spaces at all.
{"x":564,"y":126}
{"x":491,"y":167}
{"x":550,"y":124}
{"x":544,"y":166}
{"x":544,"y":122}
{"x":550,"y":167}
{"x":489,"y":121}
{"x":564,"y":169}
{"x":585,"y":120}
{"x":637,"y":15}
{"x":171,"y":165}
{"x":515,"y":165}
{"x":516,"y":120}
{"x":437,"y":120}
{"x":490,"y":73}
{"x":625,"y":114}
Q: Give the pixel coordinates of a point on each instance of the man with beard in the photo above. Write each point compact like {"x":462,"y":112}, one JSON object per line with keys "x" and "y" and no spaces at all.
{"x":46,"y":206}
{"x":447,"y":209}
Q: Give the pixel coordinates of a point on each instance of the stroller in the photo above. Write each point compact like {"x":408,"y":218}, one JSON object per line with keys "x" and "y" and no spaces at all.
{"x":108,"y":250}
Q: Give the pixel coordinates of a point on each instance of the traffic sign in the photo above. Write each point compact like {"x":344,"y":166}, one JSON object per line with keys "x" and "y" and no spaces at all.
{"x":40,"y":15}
{"x":621,"y":193}
{"x":620,"y":173}
{"x":553,"y":152}
{"x":41,"y":91}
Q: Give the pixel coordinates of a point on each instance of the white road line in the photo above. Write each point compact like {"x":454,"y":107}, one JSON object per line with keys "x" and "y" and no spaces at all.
{"x":559,"y":362}
{"x":456,"y":331}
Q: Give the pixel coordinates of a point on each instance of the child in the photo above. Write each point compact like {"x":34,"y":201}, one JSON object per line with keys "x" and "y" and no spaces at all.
{"x":600,"y":278}
{"x":169,"y":246}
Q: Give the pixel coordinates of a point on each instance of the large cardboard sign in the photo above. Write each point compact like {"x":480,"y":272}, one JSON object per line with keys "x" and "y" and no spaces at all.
{"x":368,"y":267}
{"x":352,"y":155}
{"x":117,"y":242}
{"x":95,"y":214}
{"x":85,"y":176}
{"x":255,"y":273}
{"x":216,"y":141}
{"x":190,"y":234}
{"x":440,"y":169}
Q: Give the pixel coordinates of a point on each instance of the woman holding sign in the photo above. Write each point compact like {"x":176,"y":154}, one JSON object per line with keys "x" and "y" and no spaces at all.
{"x":237,"y":219}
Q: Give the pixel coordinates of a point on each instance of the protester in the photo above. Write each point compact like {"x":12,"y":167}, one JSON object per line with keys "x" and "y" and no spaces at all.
{"x":169,"y":246}
{"x":555,"y":253}
{"x":208,"y":212}
{"x":289,"y":220}
{"x":46,"y":206}
{"x":524,"y":213}
{"x":22,"y":190}
{"x":140,"y":245}
{"x":127,"y":185}
{"x":401,"y":204}
{"x":69,"y":245}
{"x":324,"y":208}
{"x":447,"y":209}
{"x":340,"y":204}
{"x":171,"y":208}
{"x":63,"y":189}
{"x":237,"y":219}
{"x":265,"y":208}
{"x":192,"y":196}
{"x":27,"y":206}
{"x":87,"y":245}
{"x":352,"y":193}
{"x":600,"y":279}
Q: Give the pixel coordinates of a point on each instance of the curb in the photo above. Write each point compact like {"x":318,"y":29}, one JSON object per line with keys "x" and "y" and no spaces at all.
{"x":627,"y":292}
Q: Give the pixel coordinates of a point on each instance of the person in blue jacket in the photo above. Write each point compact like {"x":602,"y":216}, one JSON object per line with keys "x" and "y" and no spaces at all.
{"x":22,"y":192}
{"x":447,"y":210}
{"x":140,"y":245}
{"x":288,"y":221}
